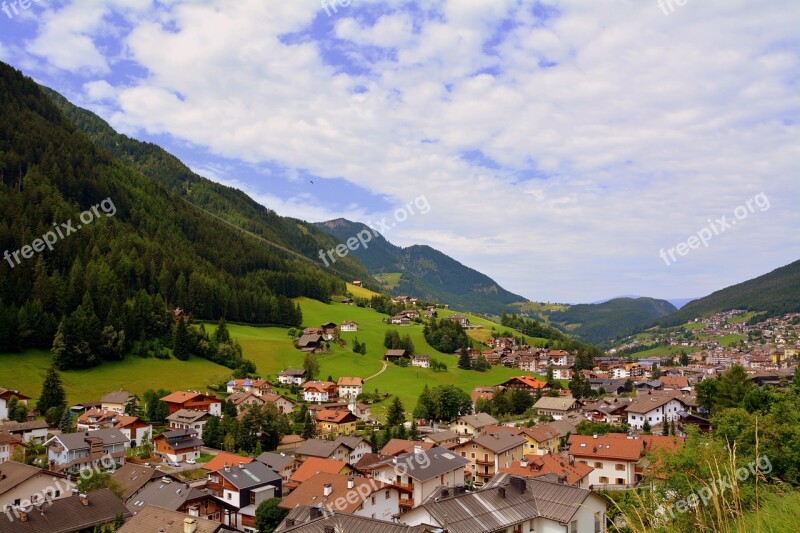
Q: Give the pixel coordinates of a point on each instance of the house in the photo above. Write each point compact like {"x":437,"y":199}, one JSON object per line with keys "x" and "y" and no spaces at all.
{"x":687,"y":418}
{"x":96,"y":418}
{"x":243,"y":399}
{"x":223,"y":459}
{"x":422,"y":361}
{"x":559,"y":466}
{"x":336,"y":422}
{"x":188,"y":419}
{"x":488,"y":452}
{"x":25,"y":483}
{"x":675,"y":383}
{"x":193,"y":400}
{"x":447,"y":439}
{"x":462,"y":320}
{"x":349,"y":388}
{"x":430,"y":312}
{"x":318,"y":391}
{"x":329,"y":330}
{"x":486,"y":393}
{"x":312,"y":519}
{"x":393,"y":355}
{"x":10,"y":445}
{"x":655,"y":409}
{"x":357,"y":496}
{"x":117,"y":400}
{"x":72,"y":452}
{"x":419,"y":473}
{"x":283,"y":464}
{"x":292,"y":376}
{"x":244,"y":486}
{"x":289,"y":443}
{"x":178,"y":445}
{"x":314,"y":466}
{"x":5,"y":396}
{"x":153,"y":518}
{"x":562,"y":371}
{"x":412,"y":314}
{"x":169,"y":493}
{"x":284,"y":404}
{"x":343,"y":448}
{"x":512,"y":503}
{"x":35,"y":430}
{"x":528,"y":384}
{"x":349,"y":326}
{"x":132,"y":477}
{"x":557,"y":408}
{"x":468,"y":426}
{"x":310,"y":343}
{"x":134,"y":428}
{"x":542,"y":439}
{"x":401,"y":320}
{"x":258,"y":387}
{"x":75,"y":514}
{"x":313,"y":331}
{"x":397,"y":447}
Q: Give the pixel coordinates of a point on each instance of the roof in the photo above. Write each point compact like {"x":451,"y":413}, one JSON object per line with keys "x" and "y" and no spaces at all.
{"x":556,"y":404}
{"x":675,"y":382}
{"x":351,"y":382}
{"x":435,"y":462}
{"x":315,"y":465}
{"x":399,"y":446}
{"x":293,"y":372}
{"x":131,"y":477}
{"x":441,"y":436}
{"x":310,"y":492}
{"x":165,"y":492}
{"x":341,"y":522}
{"x":607,"y":446}
{"x":187,"y":415}
{"x":320,"y":386}
{"x":119,"y":396}
{"x":478,"y":420}
{"x":498,"y":442}
{"x":181,"y":396}
{"x":351,"y":442}
{"x":493,"y":509}
{"x":66,"y":515}
{"x":539,"y":465}
{"x":14,"y":427}
{"x":275,"y":461}
{"x":541,"y":432}
{"x":223,"y":458}
{"x":13,"y":473}
{"x":395,"y":353}
{"x":251,"y":475}
{"x":152,"y":518}
{"x":77,"y":441}
{"x":529,"y":381}
{"x":305,"y":340}
{"x":317,"y":448}
{"x":647,"y":402}
{"x":336,"y":416}
{"x":8,"y":393}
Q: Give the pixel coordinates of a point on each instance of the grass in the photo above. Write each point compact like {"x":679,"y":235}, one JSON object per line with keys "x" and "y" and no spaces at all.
{"x":25,"y":371}
{"x":744,"y":317}
{"x":659,"y":351}
{"x":390,"y":280}
{"x":733,"y":338}
{"x":360,"y":292}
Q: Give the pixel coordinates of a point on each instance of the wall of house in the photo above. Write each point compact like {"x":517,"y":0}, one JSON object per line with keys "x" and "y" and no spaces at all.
{"x":656,"y":416}
{"x":33,"y":490}
{"x":608,"y":469}
{"x":381,"y":505}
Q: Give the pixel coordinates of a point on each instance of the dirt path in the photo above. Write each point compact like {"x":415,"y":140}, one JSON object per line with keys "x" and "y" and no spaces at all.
{"x":378,"y":373}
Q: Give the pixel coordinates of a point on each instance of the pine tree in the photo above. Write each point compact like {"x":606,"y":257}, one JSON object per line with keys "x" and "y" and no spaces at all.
{"x":65,"y":424}
{"x":464,"y":361}
{"x":53,"y":394}
{"x":395,"y":414}
{"x":413,"y":433}
{"x":181,"y":341}
{"x":425,"y":408}
{"x":309,"y":427}
{"x":211,"y":436}
{"x":221,"y":335}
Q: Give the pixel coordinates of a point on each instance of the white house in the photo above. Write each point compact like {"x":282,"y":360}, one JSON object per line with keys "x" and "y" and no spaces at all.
{"x":349,"y":326}
{"x":292,"y":376}
{"x":349,"y":388}
{"x":422,"y":361}
{"x":654,"y":409}
{"x":73,"y":452}
{"x":5,"y":395}
{"x":318,"y":391}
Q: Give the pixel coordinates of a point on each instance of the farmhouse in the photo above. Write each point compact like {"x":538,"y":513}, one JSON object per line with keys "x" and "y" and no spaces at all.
{"x":349,"y":387}
{"x":422,"y":361}
{"x":349,"y":326}
{"x":318,"y":391}
{"x":555,"y":407}
{"x":292,"y":376}
{"x":193,"y":400}
{"x":393,"y":355}
{"x":525,"y":383}
{"x":462,"y":320}
{"x":329,"y":330}
{"x":310,"y":343}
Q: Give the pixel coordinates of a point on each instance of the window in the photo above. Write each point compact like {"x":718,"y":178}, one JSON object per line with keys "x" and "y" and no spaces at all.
{"x":228,"y":495}
{"x":573,"y":526}
{"x":603,"y":480}
{"x":620,"y":466}
{"x":598,"y":464}
{"x":620,"y":481}
{"x":598,"y":528}
{"x":372,"y":500}
{"x":388,"y":495}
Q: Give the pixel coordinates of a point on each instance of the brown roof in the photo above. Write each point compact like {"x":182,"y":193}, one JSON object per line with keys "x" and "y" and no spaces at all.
{"x":397,"y":446}
{"x":607,"y":446}
{"x":647,"y":402}
{"x":336,"y":416}
{"x":347,"y":381}
{"x":539,"y":465}
{"x":119,"y":396}
{"x":674,"y":382}
{"x":310,"y":492}
{"x":314,"y":465}
{"x":152,"y":518}
{"x":180,"y":396}
{"x":132,"y":477}
{"x":13,"y":473}
{"x":499,"y":442}
{"x":320,"y":386}
{"x":223,"y":458}
{"x":66,"y":515}
{"x":541,"y":432}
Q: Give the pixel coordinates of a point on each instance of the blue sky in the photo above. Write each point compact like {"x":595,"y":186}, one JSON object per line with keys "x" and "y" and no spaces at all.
{"x":560,"y":145}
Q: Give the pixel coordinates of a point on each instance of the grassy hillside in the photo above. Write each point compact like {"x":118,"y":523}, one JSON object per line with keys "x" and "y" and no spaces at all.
{"x":774,"y":293}
{"x":597,"y":323}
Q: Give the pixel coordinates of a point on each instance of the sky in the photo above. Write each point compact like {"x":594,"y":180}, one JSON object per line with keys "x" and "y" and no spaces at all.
{"x":572,"y":151}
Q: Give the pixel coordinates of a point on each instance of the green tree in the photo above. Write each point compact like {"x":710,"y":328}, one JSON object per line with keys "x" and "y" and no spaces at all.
{"x":550,"y":376}
{"x":65,"y":424}
{"x":450,"y":402}
{"x":482,"y":364}
{"x":309,"y":426}
{"x":732,"y":388}
{"x":222,"y":335}
{"x":181,"y":341}
{"x":269,"y":515}
{"x":229,"y":409}
{"x":53,"y":394}
{"x":646,"y":427}
{"x":684,"y":360}
{"x":395,"y":414}
{"x":707,"y":393}
{"x":311,"y":366}
{"x":464,"y":361}
{"x":425,"y":408}
{"x":97,"y":481}
{"x":413,"y":433}
{"x":211,"y":432}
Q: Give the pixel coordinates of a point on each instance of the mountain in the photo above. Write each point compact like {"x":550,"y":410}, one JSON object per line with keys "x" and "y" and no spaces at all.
{"x":229,"y":204}
{"x":425,"y":272}
{"x":112,"y":281}
{"x":598,"y":323}
{"x":680,"y":302}
{"x":775,"y":293}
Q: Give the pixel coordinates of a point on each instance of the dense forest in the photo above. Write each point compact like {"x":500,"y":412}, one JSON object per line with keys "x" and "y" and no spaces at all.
{"x":121,"y":275}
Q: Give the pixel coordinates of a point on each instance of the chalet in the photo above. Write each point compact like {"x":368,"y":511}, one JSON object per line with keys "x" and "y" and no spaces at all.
{"x":318,"y":391}
{"x":557,"y":408}
{"x":245,"y":486}
{"x":310,"y":343}
{"x":446,"y":439}
{"x":459,"y":319}
{"x":284,"y":404}
{"x":512,"y":503}
{"x":193,"y":400}
{"x":422,"y":361}
{"x":675,"y":383}
{"x":188,"y":419}
{"x":349,"y":326}
{"x":35,"y":431}
{"x":134,"y":428}
{"x":178,"y":445}
{"x":256,"y":386}
{"x":292,"y":376}
{"x":344,"y":448}
{"x":330,"y":422}
{"x":412,"y":314}
{"x":528,"y":384}
{"x":117,"y":400}
{"x":468,"y":426}
{"x":19,"y":482}
{"x":393,"y":355}
{"x":400,"y":320}
{"x":349,"y":387}
{"x":313,"y":331}
{"x":488,"y":452}
{"x":348,"y":301}
{"x":569,"y":472}
{"x":72,"y":452}
{"x":329,"y":330}
{"x":5,"y":396}
{"x":75,"y":514}
{"x":348,"y":495}
{"x":284,"y":464}
{"x":357,"y":282}
{"x":655,"y":408}
{"x":243,"y":399}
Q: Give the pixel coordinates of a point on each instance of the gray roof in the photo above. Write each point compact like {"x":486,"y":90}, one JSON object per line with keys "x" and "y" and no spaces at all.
{"x":350,"y":442}
{"x":77,"y":441}
{"x":67,"y":515}
{"x":152,"y":518}
{"x":253,"y":474}
{"x":118,"y":396}
{"x":188,"y":415}
{"x":439,"y":461}
{"x":14,"y":427}
{"x":132,"y":477}
{"x":275,"y":461}
{"x":341,"y":522}
{"x":500,"y":441}
{"x":439,"y":436}
{"x":558,"y":404}
{"x":13,"y":473}
{"x":479,"y":420}
{"x":317,"y":448}
{"x":491,"y":510}
{"x":165,"y":492}
{"x":293,"y":372}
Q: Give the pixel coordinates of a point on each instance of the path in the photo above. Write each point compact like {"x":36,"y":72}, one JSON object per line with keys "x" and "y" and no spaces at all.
{"x":378,"y":373}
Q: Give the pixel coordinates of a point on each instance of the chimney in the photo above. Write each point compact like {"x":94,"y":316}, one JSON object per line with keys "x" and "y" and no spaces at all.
{"x":241,"y":465}
{"x":84,"y":499}
{"x":594,"y":436}
{"x":327,"y":490}
{"x":330,"y":529}
{"x":417,"y":449}
{"x":227,"y":467}
{"x":189,"y":525}
{"x":290,"y":522}
{"x":523,"y":464}
{"x":502,"y":492}
{"x":350,"y":483}
{"x":23,"y":516}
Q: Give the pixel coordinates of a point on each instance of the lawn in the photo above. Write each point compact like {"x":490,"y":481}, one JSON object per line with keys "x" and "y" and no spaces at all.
{"x":660,"y":351}
{"x":390,"y":280}
{"x":360,"y":292}
{"x":733,"y":338}
{"x":25,"y":372}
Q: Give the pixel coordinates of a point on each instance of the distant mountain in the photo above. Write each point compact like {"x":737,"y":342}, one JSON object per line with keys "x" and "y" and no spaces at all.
{"x":425,"y":272}
{"x":615,"y":297}
{"x":680,"y":302}
{"x":598,"y":323}
{"x":775,"y":293}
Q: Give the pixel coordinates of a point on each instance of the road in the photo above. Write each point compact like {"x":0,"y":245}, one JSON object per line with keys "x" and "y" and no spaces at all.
{"x":378,"y":373}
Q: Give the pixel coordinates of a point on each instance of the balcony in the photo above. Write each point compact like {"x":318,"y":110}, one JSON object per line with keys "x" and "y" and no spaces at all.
{"x":484,"y":462}
{"x":406,"y":503}
{"x":406,"y":487}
